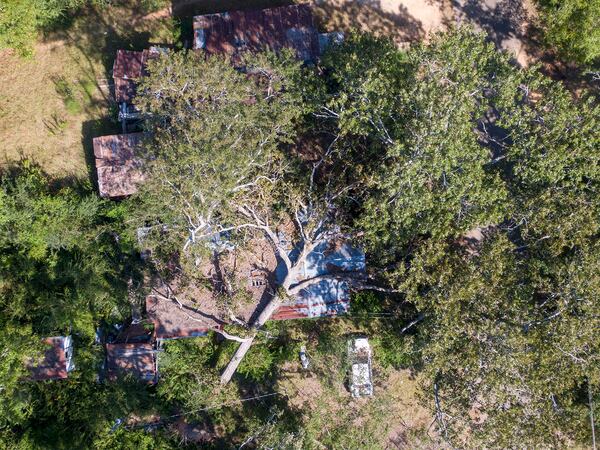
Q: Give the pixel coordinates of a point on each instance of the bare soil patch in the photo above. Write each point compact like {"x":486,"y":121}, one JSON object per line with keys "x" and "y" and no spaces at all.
{"x":403,"y":21}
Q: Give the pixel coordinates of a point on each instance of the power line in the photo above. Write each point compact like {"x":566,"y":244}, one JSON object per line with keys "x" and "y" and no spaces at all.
{"x":221,"y":405}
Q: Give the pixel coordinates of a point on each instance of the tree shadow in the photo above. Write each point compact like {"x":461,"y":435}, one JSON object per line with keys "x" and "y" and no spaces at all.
{"x":511,"y":27}
{"x":186,"y":8}
{"x":369,"y":15}
{"x":89,"y":130}
{"x":501,"y":20}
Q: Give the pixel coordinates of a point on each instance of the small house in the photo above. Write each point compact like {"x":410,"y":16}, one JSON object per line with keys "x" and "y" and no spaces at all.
{"x":137,"y":359}
{"x":235,"y":32}
{"x":329,"y":297}
{"x":176,"y":319}
{"x":56,"y":361}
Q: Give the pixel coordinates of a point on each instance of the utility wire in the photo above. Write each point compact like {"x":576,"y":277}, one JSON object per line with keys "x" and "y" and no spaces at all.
{"x":221,"y":405}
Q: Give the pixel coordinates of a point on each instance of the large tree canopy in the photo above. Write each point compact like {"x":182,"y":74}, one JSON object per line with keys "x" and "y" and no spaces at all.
{"x":473,"y":186}
{"x":478,"y":198}
{"x":61,"y":272}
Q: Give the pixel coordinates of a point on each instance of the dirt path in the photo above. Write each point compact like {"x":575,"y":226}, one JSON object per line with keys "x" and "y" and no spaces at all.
{"x":506,"y":22}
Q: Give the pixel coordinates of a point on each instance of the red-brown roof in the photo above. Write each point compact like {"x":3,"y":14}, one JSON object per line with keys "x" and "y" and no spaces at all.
{"x":128,"y":68}
{"x":137,"y":359}
{"x":173,"y":321}
{"x":275,"y":28}
{"x":55,"y":363}
{"x":118,"y":164}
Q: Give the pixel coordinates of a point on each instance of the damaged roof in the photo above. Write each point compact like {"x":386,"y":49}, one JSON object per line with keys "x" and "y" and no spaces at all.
{"x":275,"y":28}
{"x":329,"y":297}
{"x":118,"y":164}
{"x":56,"y":362}
{"x":128,"y":68}
{"x":136,"y":359}
{"x":174,"y":320}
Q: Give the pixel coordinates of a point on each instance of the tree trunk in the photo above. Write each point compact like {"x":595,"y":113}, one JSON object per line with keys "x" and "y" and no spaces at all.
{"x":235,"y":361}
{"x":245,"y":346}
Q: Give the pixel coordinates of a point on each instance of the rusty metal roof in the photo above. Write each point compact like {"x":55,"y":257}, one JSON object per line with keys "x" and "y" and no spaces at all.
{"x":137,"y":359}
{"x":329,"y":297}
{"x":56,"y":362}
{"x":174,"y":320}
{"x":118,"y":164}
{"x":276,"y":28}
{"x":128,"y":68}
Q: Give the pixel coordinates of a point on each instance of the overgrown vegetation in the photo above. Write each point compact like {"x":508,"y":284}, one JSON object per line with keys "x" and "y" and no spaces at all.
{"x":472,"y":185}
{"x":21,"y":20}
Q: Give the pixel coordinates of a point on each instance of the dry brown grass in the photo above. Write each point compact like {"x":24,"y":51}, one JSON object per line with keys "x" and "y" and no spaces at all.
{"x":52,"y":104}
{"x":393,"y":418}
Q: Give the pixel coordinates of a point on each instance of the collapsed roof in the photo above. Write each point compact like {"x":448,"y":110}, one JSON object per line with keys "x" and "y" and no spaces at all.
{"x":234,"y":32}
{"x":118,"y":164}
{"x":327,"y":297}
{"x":174,"y":320}
{"x":56,"y":362}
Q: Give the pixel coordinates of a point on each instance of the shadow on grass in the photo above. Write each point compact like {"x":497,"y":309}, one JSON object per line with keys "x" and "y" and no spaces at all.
{"x":90,"y":130}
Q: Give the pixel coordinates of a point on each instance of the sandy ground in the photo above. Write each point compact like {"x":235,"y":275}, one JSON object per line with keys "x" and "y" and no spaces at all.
{"x":508,"y":23}
{"x":402,"y":20}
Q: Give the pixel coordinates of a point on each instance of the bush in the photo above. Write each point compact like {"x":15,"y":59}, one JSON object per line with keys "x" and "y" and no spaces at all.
{"x":20,"y":20}
{"x":573,"y":26}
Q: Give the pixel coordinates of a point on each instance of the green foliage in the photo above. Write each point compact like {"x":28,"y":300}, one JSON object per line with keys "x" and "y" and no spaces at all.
{"x":55,"y":258}
{"x":573,"y":26}
{"x":60,"y":272}
{"x":407,"y":120}
{"x":216,"y":134}
{"x":189,"y":375}
{"x":459,"y":141}
{"x":20,"y":20}
{"x":149,"y":6}
{"x":65,"y":91}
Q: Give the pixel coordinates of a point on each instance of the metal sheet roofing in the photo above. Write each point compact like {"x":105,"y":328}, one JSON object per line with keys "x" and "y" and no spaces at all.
{"x":137,"y":359}
{"x":118,"y":164}
{"x":174,"y":321}
{"x":56,"y":362}
{"x":275,"y":28}
{"x":328,"y":297}
{"x":128,"y":68}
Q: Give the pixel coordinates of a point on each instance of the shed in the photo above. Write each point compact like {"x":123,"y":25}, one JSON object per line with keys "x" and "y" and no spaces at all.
{"x":136,"y":359}
{"x":128,"y":68}
{"x":56,"y":362}
{"x":234,"y":32}
{"x":118,"y":164}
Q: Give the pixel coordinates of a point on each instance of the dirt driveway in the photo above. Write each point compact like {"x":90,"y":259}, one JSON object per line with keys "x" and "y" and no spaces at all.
{"x":402,"y":20}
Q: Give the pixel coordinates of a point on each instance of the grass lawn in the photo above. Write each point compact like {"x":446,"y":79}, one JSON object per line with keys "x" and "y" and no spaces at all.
{"x":54,"y":103}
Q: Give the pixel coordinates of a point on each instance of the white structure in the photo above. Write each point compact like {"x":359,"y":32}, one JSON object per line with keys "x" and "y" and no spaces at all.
{"x":359,"y":354}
